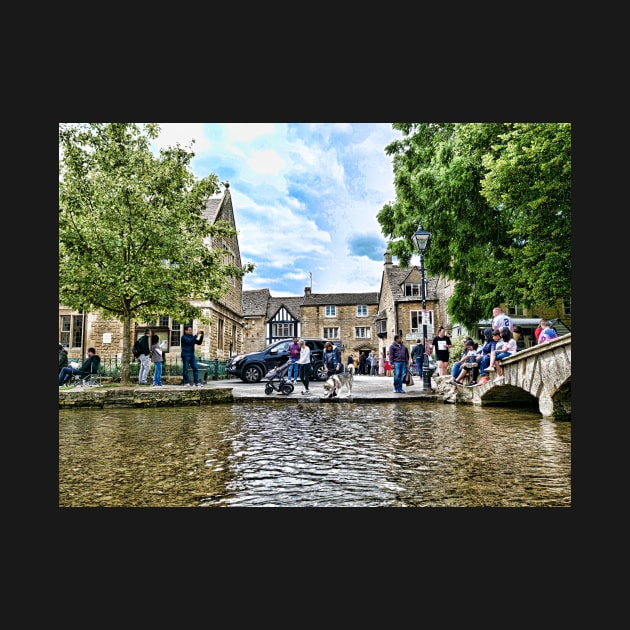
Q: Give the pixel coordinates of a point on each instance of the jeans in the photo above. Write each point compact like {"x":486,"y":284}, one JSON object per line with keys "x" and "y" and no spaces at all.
{"x":400,"y":369}
{"x":293,"y":372}
{"x":157,"y":373}
{"x":419,"y":364}
{"x":190,"y":361}
{"x":145,"y":367}
{"x":66,"y":374}
{"x":305,"y":374}
{"x":483,"y":364}
{"x":457,"y":368}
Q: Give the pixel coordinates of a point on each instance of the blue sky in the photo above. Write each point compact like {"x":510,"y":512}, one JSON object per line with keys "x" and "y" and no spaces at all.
{"x":305,"y":197}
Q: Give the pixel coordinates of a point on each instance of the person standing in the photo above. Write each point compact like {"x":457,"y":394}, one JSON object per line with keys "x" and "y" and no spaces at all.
{"x":145,"y":356}
{"x":332,"y":359}
{"x":304,"y":366}
{"x":63,"y":358}
{"x":417,"y":356}
{"x":362,"y":361}
{"x":500,"y":320}
{"x":374,"y":363}
{"x":294,"y":355}
{"x":189,"y":360}
{"x":399,"y":358}
{"x":441,"y":344}
{"x":350,"y":367}
{"x":157,"y":358}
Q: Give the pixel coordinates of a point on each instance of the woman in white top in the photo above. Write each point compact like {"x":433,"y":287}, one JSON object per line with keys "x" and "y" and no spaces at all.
{"x":304,"y":366}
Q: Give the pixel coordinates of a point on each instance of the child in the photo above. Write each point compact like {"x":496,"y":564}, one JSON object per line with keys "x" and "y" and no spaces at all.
{"x":157,"y":358}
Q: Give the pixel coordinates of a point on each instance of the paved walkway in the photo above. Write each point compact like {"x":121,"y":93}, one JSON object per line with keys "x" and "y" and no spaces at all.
{"x":363,"y":388}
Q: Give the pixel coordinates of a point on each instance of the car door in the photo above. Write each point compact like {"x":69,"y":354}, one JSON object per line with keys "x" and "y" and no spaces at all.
{"x":278,"y":355}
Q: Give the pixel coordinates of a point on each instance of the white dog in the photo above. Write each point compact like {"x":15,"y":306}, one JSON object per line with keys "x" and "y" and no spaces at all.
{"x":336,"y":382}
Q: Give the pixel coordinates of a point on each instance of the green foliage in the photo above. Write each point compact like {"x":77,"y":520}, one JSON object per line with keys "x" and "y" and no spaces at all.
{"x":496,"y":198}
{"x":133,"y":242}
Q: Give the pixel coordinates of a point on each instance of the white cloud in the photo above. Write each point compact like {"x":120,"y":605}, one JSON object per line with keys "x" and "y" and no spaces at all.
{"x":305,"y":198}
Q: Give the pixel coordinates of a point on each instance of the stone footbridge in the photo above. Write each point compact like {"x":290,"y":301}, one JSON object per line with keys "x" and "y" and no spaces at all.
{"x":537,"y":375}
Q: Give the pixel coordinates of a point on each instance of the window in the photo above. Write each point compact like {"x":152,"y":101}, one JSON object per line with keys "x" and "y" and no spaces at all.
{"x":381,"y":326}
{"x":362,"y":332}
{"x":278,"y":331}
{"x":412,"y":288}
{"x":71,"y":333}
{"x":567,"y":306}
{"x":163,"y":321}
{"x":515,"y":311}
{"x":415,"y":320}
{"x":362,"y":310}
{"x":176,"y":333}
{"x":220,"y":332}
{"x":331,"y":311}
{"x":331,"y":333}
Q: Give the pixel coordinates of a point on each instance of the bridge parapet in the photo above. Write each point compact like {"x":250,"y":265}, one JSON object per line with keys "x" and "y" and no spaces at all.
{"x":541,"y":373}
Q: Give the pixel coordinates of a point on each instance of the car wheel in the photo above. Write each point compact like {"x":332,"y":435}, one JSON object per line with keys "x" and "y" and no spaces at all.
{"x":252,"y":374}
{"x":320,"y":373}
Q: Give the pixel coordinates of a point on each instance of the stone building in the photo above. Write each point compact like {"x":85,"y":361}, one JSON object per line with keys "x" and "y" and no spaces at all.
{"x":248,"y":321}
{"x":223,"y":337}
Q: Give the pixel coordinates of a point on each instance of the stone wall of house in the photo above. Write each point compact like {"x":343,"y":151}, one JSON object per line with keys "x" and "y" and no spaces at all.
{"x":314,"y":321}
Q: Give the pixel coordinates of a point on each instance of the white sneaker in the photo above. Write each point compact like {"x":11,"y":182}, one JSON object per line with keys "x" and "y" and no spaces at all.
{"x":490,"y":369}
{"x":307,"y":392}
{"x":186,"y":384}
{"x":499,"y":380}
{"x":197,"y":384}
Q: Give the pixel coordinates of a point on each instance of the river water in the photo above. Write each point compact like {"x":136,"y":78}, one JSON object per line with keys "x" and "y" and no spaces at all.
{"x":309,"y":455}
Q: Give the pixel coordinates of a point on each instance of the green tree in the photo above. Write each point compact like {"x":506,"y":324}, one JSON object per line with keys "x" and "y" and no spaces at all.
{"x":496,"y":199}
{"x":132,"y":239}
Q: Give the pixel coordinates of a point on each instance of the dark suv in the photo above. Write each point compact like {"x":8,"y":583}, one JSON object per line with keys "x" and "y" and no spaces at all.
{"x":251,"y":367}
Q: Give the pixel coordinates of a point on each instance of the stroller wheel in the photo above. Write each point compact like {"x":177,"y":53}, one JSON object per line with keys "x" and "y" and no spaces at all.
{"x":268,"y":388}
{"x":287,"y":388}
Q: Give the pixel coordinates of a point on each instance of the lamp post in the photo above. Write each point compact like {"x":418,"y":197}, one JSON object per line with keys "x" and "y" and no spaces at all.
{"x":421,"y":239}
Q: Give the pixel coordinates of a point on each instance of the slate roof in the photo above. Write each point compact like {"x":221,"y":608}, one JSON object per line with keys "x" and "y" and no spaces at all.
{"x":254,"y":303}
{"x":340,"y":299}
{"x":397,"y":277}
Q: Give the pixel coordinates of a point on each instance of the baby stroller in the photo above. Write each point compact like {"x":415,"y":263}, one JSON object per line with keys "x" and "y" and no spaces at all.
{"x":278,"y":381}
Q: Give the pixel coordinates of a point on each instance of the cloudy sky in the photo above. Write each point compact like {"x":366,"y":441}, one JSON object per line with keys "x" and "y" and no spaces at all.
{"x":305,"y":198}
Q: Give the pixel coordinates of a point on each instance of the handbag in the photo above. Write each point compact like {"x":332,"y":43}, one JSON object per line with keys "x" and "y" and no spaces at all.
{"x":408,"y":379}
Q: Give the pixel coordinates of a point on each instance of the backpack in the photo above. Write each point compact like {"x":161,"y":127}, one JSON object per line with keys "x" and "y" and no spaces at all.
{"x":136,"y":350}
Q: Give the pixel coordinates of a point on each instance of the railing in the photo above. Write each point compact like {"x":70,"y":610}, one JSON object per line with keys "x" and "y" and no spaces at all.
{"x":111,"y":367}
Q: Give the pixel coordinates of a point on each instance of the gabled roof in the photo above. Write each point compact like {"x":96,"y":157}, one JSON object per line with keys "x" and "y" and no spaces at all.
{"x":291,"y":304}
{"x":397,"y":276}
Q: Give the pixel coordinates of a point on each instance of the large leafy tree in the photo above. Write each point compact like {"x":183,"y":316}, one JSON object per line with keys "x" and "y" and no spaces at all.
{"x":496,"y":198}
{"x":132,"y":239}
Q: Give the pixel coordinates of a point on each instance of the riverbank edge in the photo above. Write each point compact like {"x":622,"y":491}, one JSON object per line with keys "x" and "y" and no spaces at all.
{"x":145,"y":397}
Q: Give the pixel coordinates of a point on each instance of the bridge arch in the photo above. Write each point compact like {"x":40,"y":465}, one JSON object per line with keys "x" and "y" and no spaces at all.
{"x":539,"y":375}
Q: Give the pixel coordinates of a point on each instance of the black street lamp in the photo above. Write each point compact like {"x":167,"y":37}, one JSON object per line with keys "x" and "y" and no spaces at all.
{"x":421,"y":239}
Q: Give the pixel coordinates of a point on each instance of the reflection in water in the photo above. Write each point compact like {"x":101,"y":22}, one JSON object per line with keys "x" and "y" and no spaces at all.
{"x":313,"y":455}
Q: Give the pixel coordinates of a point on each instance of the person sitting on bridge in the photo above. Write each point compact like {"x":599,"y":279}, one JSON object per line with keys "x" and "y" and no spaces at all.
{"x":459,"y":372}
{"x":548,"y":333}
{"x":505,"y":347}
